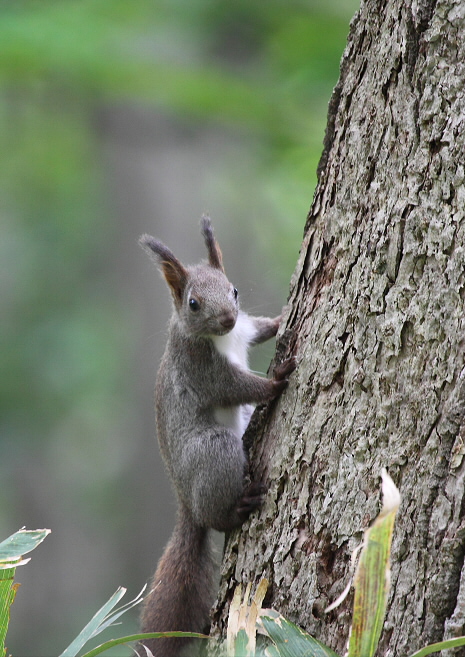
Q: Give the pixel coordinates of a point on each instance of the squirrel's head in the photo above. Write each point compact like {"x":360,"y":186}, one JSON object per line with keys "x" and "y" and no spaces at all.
{"x":205,"y":301}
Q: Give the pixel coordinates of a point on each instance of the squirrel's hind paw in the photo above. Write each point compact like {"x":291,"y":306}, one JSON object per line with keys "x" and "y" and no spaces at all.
{"x":252,"y":499}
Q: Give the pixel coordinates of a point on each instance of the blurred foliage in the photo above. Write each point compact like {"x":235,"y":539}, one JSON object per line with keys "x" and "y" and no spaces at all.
{"x":262,"y":71}
{"x":266,"y":69}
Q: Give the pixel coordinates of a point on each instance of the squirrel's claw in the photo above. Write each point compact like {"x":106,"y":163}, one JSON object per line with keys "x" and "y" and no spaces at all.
{"x":285,"y":369}
{"x":252,"y":499}
{"x":281,"y":373}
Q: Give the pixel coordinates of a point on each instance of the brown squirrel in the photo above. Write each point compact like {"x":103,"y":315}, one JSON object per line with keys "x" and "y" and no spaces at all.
{"x":203,"y":396}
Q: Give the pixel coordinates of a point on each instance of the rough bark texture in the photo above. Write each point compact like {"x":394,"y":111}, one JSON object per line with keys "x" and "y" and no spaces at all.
{"x":376,"y":319}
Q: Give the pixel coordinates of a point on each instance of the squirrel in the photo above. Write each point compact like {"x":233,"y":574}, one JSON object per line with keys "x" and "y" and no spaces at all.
{"x":204,"y":393}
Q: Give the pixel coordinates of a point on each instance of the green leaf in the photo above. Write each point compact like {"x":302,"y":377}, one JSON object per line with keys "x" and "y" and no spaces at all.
{"x":270,"y":651}
{"x":104,"y":618}
{"x":139,"y":637}
{"x":372,"y":578}
{"x":290,"y":640}
{"x":94,"y":626}
{"x":111,"y":618}
{"x":442,"y":645}
{"x":241,"y":644}
{"x":19,"y":543}
{"x":7,"y":596}
{"x":11,"y":555}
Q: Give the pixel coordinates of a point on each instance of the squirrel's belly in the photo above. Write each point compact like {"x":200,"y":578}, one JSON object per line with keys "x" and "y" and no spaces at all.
{"x":235,"y":418}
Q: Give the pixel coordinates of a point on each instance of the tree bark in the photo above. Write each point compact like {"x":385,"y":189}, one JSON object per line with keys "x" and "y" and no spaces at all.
{"x":376,"y":319}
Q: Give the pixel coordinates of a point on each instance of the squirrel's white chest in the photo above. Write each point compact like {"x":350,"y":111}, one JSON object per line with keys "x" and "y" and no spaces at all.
{"x":234,"y":346}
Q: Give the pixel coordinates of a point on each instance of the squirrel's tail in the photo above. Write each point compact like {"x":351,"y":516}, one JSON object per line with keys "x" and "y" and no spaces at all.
{"x":182,"y":588}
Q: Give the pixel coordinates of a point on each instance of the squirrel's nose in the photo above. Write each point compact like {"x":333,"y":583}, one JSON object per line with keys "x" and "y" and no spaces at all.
{"x":227,"y":320}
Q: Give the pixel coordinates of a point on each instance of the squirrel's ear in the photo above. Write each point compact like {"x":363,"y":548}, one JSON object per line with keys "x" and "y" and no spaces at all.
{"x":215,"y":257}
{"x":175,"y":274}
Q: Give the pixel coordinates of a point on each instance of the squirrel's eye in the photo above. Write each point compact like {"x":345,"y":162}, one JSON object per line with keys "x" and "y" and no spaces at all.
{"x":235,"y":293}
{"x":194,"y":305}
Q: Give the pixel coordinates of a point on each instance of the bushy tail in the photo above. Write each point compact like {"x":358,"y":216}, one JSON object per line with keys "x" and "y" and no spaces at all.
{"x":182,"y":588}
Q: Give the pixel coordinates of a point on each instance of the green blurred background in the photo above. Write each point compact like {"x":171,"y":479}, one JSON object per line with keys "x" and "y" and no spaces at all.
{"x":119,"y":117}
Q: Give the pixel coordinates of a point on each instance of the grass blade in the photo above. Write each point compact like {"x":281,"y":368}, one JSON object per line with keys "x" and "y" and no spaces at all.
{"x":93,"y":627}
{"x":104,"y":618}
{"x":7,"y":595}
{"x":442,"y":645}
{"x":372,"y":577}
{"x":111,"y":618}
{"x":11,"y":556}
{"x":139,"y":637}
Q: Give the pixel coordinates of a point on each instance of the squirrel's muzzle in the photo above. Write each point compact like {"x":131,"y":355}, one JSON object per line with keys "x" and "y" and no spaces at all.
{"x":227,"y":321}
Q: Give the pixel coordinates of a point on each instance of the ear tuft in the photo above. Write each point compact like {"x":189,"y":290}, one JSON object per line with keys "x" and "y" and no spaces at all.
{"x":146,"y":241}
{"x":173,"y":271}
{"x":215,"y":257}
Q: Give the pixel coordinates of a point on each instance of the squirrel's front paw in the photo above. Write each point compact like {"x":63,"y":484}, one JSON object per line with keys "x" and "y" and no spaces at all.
{"x":282,"y":372}
{"x":284,"y":369}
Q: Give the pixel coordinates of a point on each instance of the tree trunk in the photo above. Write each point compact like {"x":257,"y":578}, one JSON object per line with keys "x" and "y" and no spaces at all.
{"x":376,"y":319}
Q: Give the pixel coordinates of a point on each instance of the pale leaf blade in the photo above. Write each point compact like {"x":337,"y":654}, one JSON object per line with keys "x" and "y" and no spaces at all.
{"x":21,"y":542}
{"x":372,"y":578}
{"x":139,"y":637}
{"x":94,"y":625}
{"x":442,"y":645}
